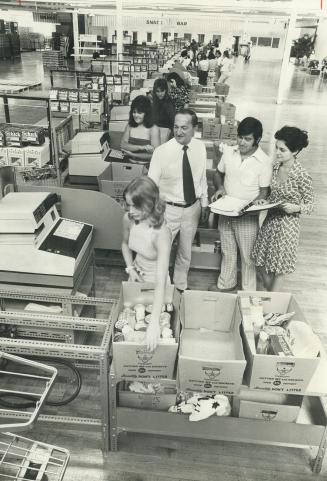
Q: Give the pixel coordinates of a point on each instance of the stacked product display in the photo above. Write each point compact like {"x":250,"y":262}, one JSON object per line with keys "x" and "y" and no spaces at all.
{"x":53,"y":59}
{"x":23,"y":146}
{"x":85,"y":104}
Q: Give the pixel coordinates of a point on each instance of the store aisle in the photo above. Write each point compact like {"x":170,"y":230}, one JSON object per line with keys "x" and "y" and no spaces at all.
{"x":253,"y":91}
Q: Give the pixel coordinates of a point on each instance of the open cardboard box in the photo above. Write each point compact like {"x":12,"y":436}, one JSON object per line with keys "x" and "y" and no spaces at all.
{"x":159,"y":401}
{"x":266,"y":406}
{"x":115,"y":178}
{"x":287,"y":374}
{"x":211,"y":358}
{"x":134,"y":360}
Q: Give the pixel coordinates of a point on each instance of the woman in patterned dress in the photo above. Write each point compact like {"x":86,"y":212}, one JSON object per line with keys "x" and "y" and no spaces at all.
{"x":275,"y":250}
{"x":178,"y":90}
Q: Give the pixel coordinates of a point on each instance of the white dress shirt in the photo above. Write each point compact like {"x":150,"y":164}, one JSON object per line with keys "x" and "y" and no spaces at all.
{"x":166,"y":169}
{"x":243,"y":178}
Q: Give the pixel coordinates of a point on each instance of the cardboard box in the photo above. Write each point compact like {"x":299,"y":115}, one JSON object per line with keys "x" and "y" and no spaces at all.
{"x":211,"y":358}
{"x":226,"y":110}
{"x":96,"y":110}
{"x":16,"y":156}
{"x":211,"y":129}
{"x":133,"y":360}
{"x":115,"y":178}
{"x":3,"y":156}
{"x":274,"y":373}
{"x":222,"y":89}
{"x":160,"y":401}
{"x":253,"y":404}
{"x":37,"y":156}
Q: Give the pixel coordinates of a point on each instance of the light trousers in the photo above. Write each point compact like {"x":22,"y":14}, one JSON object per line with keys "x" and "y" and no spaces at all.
{"x":237,"y":233}
{"x":185,"y":221}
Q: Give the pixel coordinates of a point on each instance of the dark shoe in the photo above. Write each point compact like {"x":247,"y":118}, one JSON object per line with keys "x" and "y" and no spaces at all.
{"x":214,"y":288}
{"x":182,"y":290}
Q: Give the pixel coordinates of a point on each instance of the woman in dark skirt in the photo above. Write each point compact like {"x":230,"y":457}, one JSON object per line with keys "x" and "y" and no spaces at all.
{"x":163,"y":109}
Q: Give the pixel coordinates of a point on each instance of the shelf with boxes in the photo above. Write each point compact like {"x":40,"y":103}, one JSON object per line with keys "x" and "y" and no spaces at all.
{"x":23,"y":146}
{"x":87,"y":103}
{"x":118,"y":75}
{"x":210,"y":361}
{"x":33,"y":148}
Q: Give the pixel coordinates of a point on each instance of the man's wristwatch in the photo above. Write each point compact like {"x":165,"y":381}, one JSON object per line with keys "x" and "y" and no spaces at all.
{"x":128,"y":269}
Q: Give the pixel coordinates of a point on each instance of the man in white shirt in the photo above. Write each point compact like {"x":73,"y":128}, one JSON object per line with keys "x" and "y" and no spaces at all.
{"x":178,"y":167}
{"x":244,"y":172}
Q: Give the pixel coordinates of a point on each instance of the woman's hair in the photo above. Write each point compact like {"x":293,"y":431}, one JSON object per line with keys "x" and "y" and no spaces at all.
{"x":218,"y":52}
{"x":174,"y":76}
{"x":203,"y":56}
{"x":249,"y":126}
{"x":160,"y":84}
{"x":295,"y":139}
{"x":144,"y":194}
{"x":211,"y":55}
{"x":142,"y":104}
{"x":226,"y":53}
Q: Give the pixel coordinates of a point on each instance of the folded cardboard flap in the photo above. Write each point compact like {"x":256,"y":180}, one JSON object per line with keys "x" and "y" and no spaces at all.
{"x":208,"y":310}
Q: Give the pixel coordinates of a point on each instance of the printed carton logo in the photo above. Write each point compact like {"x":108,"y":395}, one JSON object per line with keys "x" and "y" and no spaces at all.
{"x":284,"y":368}
{"x":144,"y":356}
{"x":212,"y":373}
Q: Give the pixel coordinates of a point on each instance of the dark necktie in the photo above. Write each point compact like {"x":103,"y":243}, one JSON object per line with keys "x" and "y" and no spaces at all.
{"x":188,"y":184}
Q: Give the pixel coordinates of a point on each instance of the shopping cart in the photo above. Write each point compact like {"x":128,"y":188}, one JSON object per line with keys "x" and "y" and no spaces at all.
{"x":24,"y":459}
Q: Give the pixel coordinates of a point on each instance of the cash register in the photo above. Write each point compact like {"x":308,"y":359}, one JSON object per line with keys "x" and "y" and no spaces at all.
{"x":88,"y":157}
{"x":37,"y":246}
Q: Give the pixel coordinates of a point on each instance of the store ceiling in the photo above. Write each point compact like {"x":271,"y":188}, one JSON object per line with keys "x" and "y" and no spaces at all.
{"x":253,"y":7}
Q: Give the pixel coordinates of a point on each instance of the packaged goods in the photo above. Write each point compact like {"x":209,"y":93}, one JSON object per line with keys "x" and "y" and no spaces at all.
{"x":131,"y":356}
{"x":293,"y":353}
{"x":278,"y":346}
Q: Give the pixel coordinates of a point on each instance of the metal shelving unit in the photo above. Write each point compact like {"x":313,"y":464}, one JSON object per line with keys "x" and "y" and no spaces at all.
{"x":91,"y":353}
{"x":310,"y":430}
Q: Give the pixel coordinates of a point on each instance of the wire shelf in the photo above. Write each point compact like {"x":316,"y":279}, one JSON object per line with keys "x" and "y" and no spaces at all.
{"x":24,"y":459}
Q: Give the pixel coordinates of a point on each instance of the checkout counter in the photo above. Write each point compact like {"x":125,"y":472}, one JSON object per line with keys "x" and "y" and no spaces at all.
{"x":37,"y":246}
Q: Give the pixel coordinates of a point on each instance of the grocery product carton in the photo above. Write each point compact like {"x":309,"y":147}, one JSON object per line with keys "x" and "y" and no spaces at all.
{"x":283,"y":373}
{"x":134,"y":360}
{"x":16,"y":156}
{"x":114,"y":179}
{"x":3,"y":156}
{"x":159,"y":401}
{"x":211,"y":358}
{"x":211,"y":129}
{"x":266,"y":406}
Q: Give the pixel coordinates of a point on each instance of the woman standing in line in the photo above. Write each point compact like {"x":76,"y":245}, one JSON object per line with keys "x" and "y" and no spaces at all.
{"x":140,"y":137}
{"x":146,"y":234}
{"x":226,"y":66}
{"x":178,"y":91}
{"x":203,"y":69}
{"x":163,"y":109}
{"x":275,"y":250}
